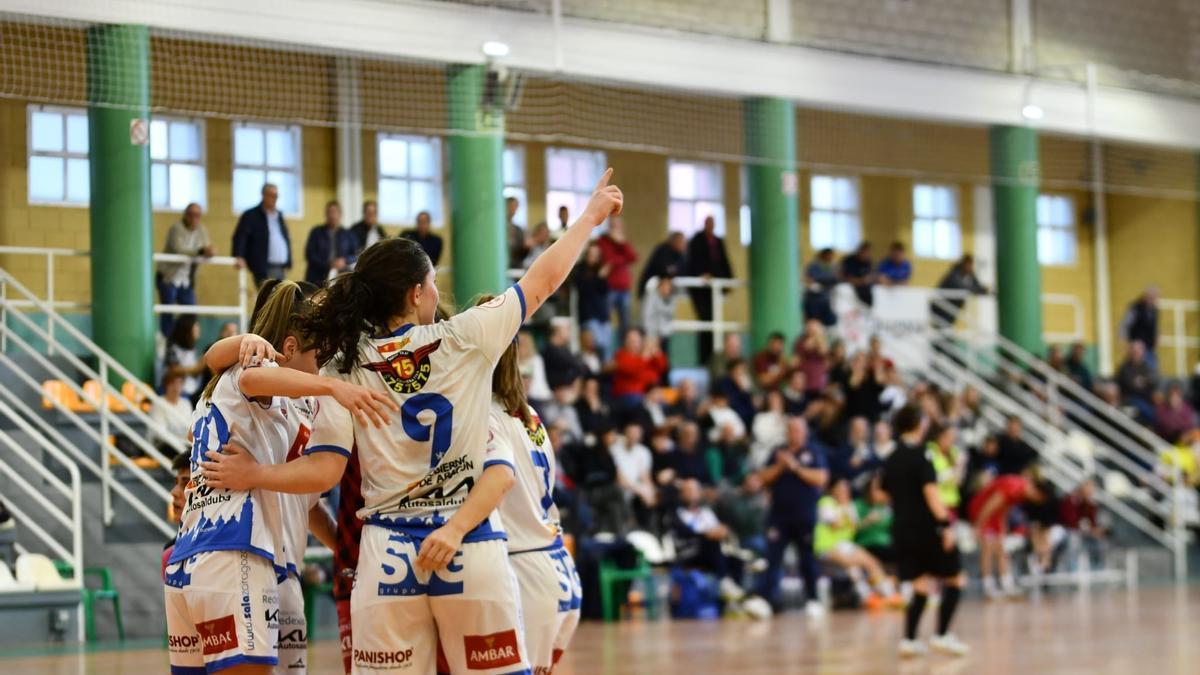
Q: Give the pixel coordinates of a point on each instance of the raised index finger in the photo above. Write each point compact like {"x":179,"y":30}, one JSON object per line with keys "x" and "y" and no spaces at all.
{"x":604,"y":179}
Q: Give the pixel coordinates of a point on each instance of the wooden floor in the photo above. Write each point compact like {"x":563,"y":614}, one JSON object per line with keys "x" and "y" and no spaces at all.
{"x":1150,"y":631}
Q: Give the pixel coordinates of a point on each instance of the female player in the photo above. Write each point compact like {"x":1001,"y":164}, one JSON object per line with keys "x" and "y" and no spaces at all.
{"x":432,"y":561}
{"x":989,"y":515}
{"x":546,"y":575}
{"x":221,"y":591}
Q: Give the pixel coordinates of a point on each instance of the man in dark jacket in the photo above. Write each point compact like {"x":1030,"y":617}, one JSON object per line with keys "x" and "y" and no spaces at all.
{"x":961,"y":277}
{"x":368,"y":230}
{"x":330,"y":247}
{"x":261,"y":241}
{"x":423,"y":235}
{"x":669,"y":259}
{"x":1140,"y":323}
{"x":706,"y":258}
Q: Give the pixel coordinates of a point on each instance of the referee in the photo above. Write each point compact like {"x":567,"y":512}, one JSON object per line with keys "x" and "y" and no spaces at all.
{"x":922,"y":535}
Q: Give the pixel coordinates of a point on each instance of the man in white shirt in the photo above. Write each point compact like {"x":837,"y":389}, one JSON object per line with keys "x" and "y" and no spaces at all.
{"x":634,"y":462}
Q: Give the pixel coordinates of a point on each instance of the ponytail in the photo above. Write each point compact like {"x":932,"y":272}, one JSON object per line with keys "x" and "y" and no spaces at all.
{"x":508,"y":387}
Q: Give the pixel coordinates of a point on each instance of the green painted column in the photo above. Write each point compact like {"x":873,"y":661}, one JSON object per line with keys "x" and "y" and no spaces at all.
{"x":770,"y":128}
{"x":1015,"y":176}
{"x":479,"y":239}
{"x":118,"y":83}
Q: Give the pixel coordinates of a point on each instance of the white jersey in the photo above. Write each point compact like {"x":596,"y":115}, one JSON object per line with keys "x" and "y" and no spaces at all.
{"x":528,"y":510}
{"x":417,"y":471}
{"x":241,"y":520}
{"x":295,"y":508}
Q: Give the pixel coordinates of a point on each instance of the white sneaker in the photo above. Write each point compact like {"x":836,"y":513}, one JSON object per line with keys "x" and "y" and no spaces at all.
{"x":949,"y":644}
{"x":814,"y":609}
{"x":730,"y":590}
{"x":912,"y":648}
{"x":757,"y":608}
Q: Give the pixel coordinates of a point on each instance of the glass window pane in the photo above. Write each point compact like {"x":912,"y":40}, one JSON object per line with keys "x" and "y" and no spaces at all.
{"x":708,"y":181}
{"x":423,"y":162}
{"x":744,"y":223}
{"x":557,"y":198}
{"x":248,"y":147}
{"x":281,"y":148}
{"x":1063,"y":212}
{"x":682,"y":178}
{"x":846,"y":195}
{"x":847,"y":231}
{"x":922,"y":202}
{"x":185,"y":141}
{"x":77,"y":134}
{"x":822,"y":193}
{"x":426,"y":197}
{"x":46,"y":179}
{"x":947,"y":203}
{"x":514,"y":166}
{"x":922,"y":237}
{"x":289,"y":190}
{"x":393,"y":201}
{"x":1067,"y":246}
{"x":681,"y":216}
{"x":79,"y":181}
{"x":558,"y":172}
{"x":1043,"y":210}
{"x":159,"y":192}
{"x":46,"y":132}
{"x":393,"y":157}
{"x":247,"y":188}
{"x":820,"y":230}
{"x":158,"y":139}
{"x":187,"y":185}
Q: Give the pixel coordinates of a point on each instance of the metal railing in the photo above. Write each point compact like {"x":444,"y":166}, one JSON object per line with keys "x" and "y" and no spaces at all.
{"x":718,"y":326}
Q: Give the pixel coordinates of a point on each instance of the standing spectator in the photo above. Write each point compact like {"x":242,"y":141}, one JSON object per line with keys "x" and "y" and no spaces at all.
{"x":668,"y":259}
{"x":819,"y":279}
{"x":562,"y":367}
{"x":424,"y":236}
{"x":538,"y":241}
{"x":330,"y":247}
{"x":516,"y":233}
{"x":858,"y":271}
{"x":368,"y":230}
{"x":634,"y":461}
{"x":863,"y":389}
{"x":175,"y":279}
{"x":594,"y":413}
{"x":811,"y":349}
{"x":1138,"y":380}
{"x":1013,"y":454}
{"x":1140,"y":324}
{"x":961,"y":277}
{"x":895,"y":269}
{"x":1076,"y":366}
{"x":861,"y":462}
{"x":591,"y":285}
{"x":770,"y":364}
{"x":796,"y":477}
{"x":706,"y":258}
{"x":260,"y":240}
{"x":658,"y":311}
{"x":795,"y":393}
{"x":618,"y":254}
{"x":564,"y":219}
{"x":183,"y":359}
{"x":174,"y":414}
{"x":718,"y":362}
{"x":1174,"y":416}
{"x":736,"y":387}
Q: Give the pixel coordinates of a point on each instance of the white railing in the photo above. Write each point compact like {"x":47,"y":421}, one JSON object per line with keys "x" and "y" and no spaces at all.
{"x":1178,"y":338}
{"x":718,"y":326}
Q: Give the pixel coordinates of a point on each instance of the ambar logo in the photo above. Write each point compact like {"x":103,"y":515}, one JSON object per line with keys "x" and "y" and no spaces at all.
{"x":485,"y":652}
{"x":218,"y":635}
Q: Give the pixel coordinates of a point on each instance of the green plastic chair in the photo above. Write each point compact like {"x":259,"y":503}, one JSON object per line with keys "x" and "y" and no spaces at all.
{"x":611,"y":575}
{"x":105,"y":591}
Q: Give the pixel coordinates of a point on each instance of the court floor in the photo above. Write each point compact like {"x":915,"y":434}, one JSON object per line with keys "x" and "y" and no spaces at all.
{"x":1148,"y":631}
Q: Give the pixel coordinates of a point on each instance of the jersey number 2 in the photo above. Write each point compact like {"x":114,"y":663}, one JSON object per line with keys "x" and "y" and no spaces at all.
{"x":438,"y":432}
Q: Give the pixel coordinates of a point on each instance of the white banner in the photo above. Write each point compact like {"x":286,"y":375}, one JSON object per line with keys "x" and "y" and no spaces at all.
{"x":899,"y":316}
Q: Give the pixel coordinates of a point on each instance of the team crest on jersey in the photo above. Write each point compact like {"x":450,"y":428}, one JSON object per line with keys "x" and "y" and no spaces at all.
{"x":406,"y":372}
{"x":538,"y":433}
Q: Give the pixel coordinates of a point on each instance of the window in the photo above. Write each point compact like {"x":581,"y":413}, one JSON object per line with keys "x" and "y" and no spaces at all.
{"x":936,"y":229}
{"x":514,"y":182}
{"x":1056,"y":230}
{"x":571,"y":176}
{"x":266,"y":153}
{"x":410,"y":178}
{"x":834,"y":220}
{"x":695,"y":195}
{"x":58,"y":156}
{"x":176,"y":163}
{"x":744,"y":209}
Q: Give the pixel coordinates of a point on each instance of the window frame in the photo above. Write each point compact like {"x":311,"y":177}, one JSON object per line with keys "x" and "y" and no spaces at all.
{"x":1071,"y":228}
{"x":65,"y":155}
{"x":932,"y":220}
{"x":719,"y":200}
{"x":438,"y":219}
{"x":297,"y":134}
{"x":812,"y":209}
{"x":581,"y":195}
{"x":201,"y":162}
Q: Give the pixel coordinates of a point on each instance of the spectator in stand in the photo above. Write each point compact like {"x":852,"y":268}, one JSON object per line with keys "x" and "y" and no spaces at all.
{"x":668,"y":259}
{"x":688,"y":405}
{"x":1174,"y":416}
{"x":858,"y":271}
{"x":1140,"y":324}
{"x":689,"y":461}
{"x":1138,"y":380}
{"x":631,"y":371}
{"x":736,"y":387}
{"x":368,"y":230}
{"x":594,"y":414}
{"x":658,"y":311}
{"x":795,"y":477}
{"x":634,"y":462}
{"x":1181,"y":457}
{"x":819,"y":279}
{"x":699,"y":537}
{"x":795,"y":393}
{"x":174,"y":415}
{"x":837,"y":365}
{"x":863,"y":389}
{"x":330,"y":247}
{"x":875,"y":522}
{"x":537,"y":242}
{"x":861,"y":462}
{"x":723,"y":422}
{"x":182,"y":357}
{"x":1013,"y":454}
{"x":516,"y":233}
{"x":895,"y":269}
{"x":562,"y":366}
{"x":960,"y":277}
{"x":718,"y":362}
{"x":948,"y":463}
{"x":560,"y":412}
{"x":596,"y":476}
{"x":706,"y":258}
{"x":591,"y":285}
{"x":618,"y":254}
{"x":260,"y":240}
{"x":591,"y":359}
{"x":745,"y":511}
{"x":424,"y":236}
{"x":770,"y":364}
{"x":1054,"y":359}
{"x":833,"y":542}
{"x":988,"y":512}
{"x":1076,"y":366}
{"x":1080,"y":516}
{"x":176,"y":280}
{"x":811,"y":350}
{"x":564,"y":219}
{"x":768,"y":430}
{"x":658,"y":366}
{"x":533,"y":370}
{"x":894,"y":396}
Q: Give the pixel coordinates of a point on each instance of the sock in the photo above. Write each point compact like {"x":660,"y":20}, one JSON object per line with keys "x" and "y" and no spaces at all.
{"x":989,"y":585}
{"x":886,"y":588}
{"x":1008,"y":583}
{"x":950,"y":596}
{"x":912,"y":615}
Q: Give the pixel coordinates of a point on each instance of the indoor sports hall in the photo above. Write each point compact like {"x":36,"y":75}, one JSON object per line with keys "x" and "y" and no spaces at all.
{"x":839,"y":336}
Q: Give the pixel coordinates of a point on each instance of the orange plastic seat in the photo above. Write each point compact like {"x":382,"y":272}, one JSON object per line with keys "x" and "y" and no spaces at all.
{"x":93,"y":389}
{"x":670,"y":395}
{"x":62,"y":393}
{"x":134,"y":395}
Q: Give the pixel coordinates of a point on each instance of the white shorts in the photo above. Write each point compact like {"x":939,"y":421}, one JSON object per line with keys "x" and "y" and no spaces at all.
{"x":842,"y":549}
{"x":399,"y":612}
{"x":550,"y":600}
{"x":293,"y":629}
{"x":222,"y":611}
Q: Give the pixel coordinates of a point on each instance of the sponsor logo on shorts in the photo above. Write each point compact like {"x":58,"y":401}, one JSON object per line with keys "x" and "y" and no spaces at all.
{"x":247,"y":609}
{"x":292,"y":639}
{"x":497,"y":650}
{"x":381,"y":660}
{"x":218,"y":635}
{"x":183,"y":643}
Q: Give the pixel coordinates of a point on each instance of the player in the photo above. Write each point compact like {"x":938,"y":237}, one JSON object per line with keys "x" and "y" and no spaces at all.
{"x":546,"y":575}
{"x":988,"y":511}
{"x":922,"y":536}
{"x":221,"y":591}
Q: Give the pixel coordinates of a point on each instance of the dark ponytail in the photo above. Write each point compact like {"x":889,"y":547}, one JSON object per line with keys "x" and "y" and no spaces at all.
{"x":363,"y":301}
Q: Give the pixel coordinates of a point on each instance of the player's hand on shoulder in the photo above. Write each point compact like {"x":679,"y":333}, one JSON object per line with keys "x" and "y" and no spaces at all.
{"x":367,"y":405}
{"x":231,"y":468}
{"x":607,"y":200}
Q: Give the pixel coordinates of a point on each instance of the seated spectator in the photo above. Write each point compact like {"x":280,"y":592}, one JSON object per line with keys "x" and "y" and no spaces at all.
{"x":744,"y":509}
{"x":424,"y":236}
{"x":723,"y":420}
{"x":736,"y":388}
{"x":1174,"y":416}
{"x":1054,"y":359}
{"x":562,"y":366}
{"x":874,"y":531}
{"x":819,"y":279}
{"x":668,"y":259}
{"x":182,"y":357}
{"x":1179,"y":461}
{"x":174,"y":415}
{"x":658,"y":310}
{"x":833,"y":542}
{"x":895,"y":269}
{"x":589,"y":353}
{"x":988,"y":513}
{"x":948,"y":463}
{"x":1080,"y":515}
{"x":718,"y":363}
{"x":882,"y":443}
{"x":795,"y":393}
{"x":537,"y":242}
{"x":699,"y":536}
{"x":826,"y":418}
{"x":858,"y":271}
{"x":594,"y":414}
{"x":768,"y":430}
{"x":533,"y":368}
{"x":330,"y":249}
{"x":688,"y":405}
{"x":859,"y":461}
{"x":634,"y":462}
{"x":1138,"y":380}
{"x":596,"y":476}
{"x":560,"y":411}
{"x":636,"y":366}
{"x":771,"y":364}
{"x":894,"y":396}
{"x":837,"y":366}
{"x":1014,"y":454}
{"x":591,"y":292}
{"x":689,"y":459}
{"x":1076,"y":366}
{"x":653,"y":413}
{"x":176,"y":280}
{"x":811,"y":350}
{"x":863,"y":389}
